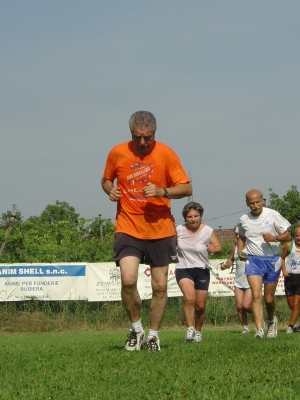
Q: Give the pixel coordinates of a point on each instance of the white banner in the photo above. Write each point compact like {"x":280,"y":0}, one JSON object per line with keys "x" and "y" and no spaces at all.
{"x":222,"y":282}
{"x":60,"y":281}
{"x":104,"y":282}
{"x":95,"y":282}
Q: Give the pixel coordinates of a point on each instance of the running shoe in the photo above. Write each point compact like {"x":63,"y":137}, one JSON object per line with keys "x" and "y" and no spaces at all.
{"x":245,"y":329}
{"x":153,"y":343}
{"x":135,"y":340}
{"x":272,"y":328}
{"x":297,"y":328}
{"x":190,"y":334}
{"x":289,"y":330}
{"x":259,"y":334}
{"x":198,"y":337}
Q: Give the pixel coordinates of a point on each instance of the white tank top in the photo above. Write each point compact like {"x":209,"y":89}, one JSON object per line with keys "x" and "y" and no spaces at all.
{"x":192,"y":251}
{"x":292,"y":260}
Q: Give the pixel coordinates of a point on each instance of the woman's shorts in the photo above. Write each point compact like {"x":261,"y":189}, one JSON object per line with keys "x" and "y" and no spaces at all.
{"x":156,"y":253}
{"x":200,"y":276}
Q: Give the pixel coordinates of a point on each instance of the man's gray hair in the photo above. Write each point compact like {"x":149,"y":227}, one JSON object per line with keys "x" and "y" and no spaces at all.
{"x":142,"y":119}
{"x":192,"y":206}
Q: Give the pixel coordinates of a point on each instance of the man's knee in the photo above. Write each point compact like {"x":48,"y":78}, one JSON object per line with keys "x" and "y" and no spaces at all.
{"x":257,"y":296}
{"x":129,"y":284}
{"x":296,"y":305}
{"x":159,"y":288}
{"x":269,"y":298}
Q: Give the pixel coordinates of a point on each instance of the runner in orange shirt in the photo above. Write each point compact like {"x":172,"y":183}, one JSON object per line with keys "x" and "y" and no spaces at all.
{"x":147,"y":174}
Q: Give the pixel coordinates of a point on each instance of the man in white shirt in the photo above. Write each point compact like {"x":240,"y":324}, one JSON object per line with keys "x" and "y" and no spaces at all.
{"x":262,"y":230}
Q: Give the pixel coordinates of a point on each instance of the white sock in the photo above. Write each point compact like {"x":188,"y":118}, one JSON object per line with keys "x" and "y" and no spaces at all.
{"x":137,"y":326}
{"x":153,"y":333}
{"x":190,"y":327}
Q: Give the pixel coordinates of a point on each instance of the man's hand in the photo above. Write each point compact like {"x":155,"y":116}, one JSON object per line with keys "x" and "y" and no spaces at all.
{"x":268,"y":237}
{"x":151,"y":190}
{"x":115,"y":194}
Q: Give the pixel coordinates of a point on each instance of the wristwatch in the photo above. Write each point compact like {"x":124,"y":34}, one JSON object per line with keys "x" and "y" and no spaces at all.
{"x":166,"y":194}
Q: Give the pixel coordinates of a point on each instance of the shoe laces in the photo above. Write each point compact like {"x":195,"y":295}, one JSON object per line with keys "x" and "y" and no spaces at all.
{"x":152,"y":343}
{"x":190,"y":332}
{"x":271,"y":326}
{"x":131,"y":338}
{"x":259,"y":333}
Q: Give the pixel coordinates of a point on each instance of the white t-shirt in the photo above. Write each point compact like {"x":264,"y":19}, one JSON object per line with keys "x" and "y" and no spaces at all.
{"x":292,"y":260}
{"x":253,"y":228}
{"x":192,"y":251}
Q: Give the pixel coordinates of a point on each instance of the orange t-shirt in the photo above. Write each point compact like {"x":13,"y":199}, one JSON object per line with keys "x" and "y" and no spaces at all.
{"x":138,"y":216}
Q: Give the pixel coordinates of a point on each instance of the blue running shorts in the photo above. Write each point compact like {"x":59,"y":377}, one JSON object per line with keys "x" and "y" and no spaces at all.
{"x":267,"y":267}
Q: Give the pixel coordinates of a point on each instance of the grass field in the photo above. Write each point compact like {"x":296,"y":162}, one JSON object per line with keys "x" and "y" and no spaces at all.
{"x":93,"y":365}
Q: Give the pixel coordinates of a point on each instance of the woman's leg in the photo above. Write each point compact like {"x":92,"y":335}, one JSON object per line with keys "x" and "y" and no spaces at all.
{"x":188,"y":290}
{"x":200,"y":303}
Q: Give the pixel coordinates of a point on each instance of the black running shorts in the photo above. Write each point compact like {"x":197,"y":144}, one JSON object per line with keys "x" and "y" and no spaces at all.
{"x":200,"y":276}
{"x":156,"y":253}
{"x":292,"y":285}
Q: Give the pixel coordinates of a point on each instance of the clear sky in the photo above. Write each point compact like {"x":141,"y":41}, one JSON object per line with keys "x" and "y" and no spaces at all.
{"x":221,"y":77}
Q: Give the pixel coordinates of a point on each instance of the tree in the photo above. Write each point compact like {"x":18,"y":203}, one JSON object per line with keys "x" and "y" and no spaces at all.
{"x":60,"y":211}
{"x":93,"y":227}
{"x":6,"y":217}
{"x":58,"y":235}
{"x":288,"y":206}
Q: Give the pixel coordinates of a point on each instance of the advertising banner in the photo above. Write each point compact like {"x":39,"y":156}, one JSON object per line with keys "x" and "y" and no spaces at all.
{"x":104,"y":282}
{"x":222,"y":282}
{"x":61,"y":281}
{"x":96,"y":282}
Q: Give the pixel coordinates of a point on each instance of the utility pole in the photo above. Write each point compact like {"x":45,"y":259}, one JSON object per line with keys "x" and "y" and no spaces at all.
{"x":190,"y":198}
{"x":101,"y":228}
{"x":221,"y":234}
{"x":7,"y":233}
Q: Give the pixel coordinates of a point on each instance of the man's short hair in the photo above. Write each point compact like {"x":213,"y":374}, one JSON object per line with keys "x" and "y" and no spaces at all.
{"x":142,"y":119}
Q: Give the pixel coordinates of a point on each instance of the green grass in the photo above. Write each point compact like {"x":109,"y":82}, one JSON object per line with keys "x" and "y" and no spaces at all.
{"x":38,"y":316}
{"x":93,"y":365}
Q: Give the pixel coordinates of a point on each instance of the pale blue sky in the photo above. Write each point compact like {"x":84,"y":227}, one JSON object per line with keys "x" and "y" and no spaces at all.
{"x":221,"y":77}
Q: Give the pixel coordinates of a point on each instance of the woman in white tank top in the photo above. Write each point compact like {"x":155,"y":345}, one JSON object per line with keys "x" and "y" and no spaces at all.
{"x":194,"y":241}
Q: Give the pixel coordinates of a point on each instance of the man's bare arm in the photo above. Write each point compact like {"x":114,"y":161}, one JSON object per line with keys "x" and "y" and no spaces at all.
{"x":175,"y":192}
{"x":284,"y":237}
{"x":114,"y":193}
